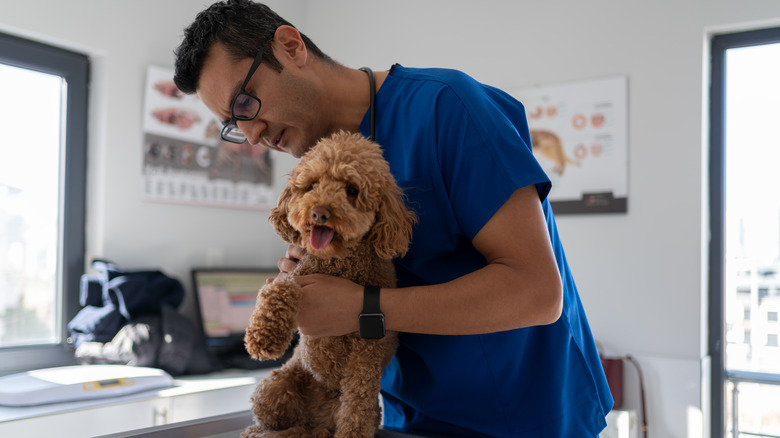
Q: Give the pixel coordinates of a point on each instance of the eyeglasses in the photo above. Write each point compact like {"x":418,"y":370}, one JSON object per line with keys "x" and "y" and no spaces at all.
{"x":244,"y":106}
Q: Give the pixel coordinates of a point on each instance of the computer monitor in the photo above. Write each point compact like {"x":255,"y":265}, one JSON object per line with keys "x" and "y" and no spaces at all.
{"x":225,"y":299}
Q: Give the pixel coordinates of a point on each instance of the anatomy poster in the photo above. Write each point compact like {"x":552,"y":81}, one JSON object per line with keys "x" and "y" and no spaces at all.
{"x":579,"y":135}
{"x":184,"y":159}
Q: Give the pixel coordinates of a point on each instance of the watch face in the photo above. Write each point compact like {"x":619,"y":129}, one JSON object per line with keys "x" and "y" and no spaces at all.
{"x":372,"y":326}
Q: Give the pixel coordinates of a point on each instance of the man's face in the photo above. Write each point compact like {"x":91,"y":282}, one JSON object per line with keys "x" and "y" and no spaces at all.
{"x":289,"y":119}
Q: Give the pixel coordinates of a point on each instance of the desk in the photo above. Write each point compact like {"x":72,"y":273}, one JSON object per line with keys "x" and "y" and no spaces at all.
{"x":216,"y":404}
{"x":223,"y":426}
{"x":191,"y":398}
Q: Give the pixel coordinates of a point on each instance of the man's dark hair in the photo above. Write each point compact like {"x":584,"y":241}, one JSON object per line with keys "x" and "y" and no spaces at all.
{"x":242,"y":26}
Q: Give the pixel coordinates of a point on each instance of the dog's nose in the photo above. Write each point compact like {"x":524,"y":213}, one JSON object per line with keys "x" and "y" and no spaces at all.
{"x":320,"y":215}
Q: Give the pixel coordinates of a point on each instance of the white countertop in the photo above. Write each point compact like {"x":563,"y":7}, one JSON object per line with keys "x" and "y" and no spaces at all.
{"x":182,"y":386}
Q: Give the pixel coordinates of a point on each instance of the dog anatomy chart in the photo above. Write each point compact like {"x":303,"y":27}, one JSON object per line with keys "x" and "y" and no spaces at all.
{"x":579,"y":135}
{"x":184,"y":159}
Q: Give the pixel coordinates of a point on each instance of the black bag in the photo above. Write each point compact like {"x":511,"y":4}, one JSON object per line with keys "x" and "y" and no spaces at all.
{"x":113,"y":297}
{"x":130,"y":318}
{"x":167,"y":341}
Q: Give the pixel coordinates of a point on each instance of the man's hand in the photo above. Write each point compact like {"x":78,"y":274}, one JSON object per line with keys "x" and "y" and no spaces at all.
{"x":289,"y":262}
{"x":329,"y":305}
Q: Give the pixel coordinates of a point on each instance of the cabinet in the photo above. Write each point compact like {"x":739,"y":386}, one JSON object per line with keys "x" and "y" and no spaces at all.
{"x":192,"y":397}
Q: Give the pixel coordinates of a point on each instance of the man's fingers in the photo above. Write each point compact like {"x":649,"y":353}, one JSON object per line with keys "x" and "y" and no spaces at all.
{"x":295,"y":252}
{"x":287,"y":265}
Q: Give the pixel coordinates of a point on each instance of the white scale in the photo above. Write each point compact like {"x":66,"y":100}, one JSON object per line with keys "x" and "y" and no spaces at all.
{"x":81,"y":382}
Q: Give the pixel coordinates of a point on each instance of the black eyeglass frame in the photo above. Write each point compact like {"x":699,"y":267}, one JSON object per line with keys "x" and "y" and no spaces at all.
{"x":231,"y":132}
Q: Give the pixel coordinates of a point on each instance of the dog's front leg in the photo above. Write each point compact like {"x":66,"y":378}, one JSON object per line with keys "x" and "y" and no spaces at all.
{"x":274,"y":319}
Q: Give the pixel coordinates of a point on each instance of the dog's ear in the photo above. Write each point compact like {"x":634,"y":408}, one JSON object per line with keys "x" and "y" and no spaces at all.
{"x":392,"y":230}
{"x":278,"y":218}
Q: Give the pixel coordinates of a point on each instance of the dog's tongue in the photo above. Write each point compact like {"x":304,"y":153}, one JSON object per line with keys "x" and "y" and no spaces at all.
{"x":320,"y":237}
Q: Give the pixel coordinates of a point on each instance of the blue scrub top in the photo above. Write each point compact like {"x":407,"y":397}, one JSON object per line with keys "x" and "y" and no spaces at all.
{"x":459,"y":149}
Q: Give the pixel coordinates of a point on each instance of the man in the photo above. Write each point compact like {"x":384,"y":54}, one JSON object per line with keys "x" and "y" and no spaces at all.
{"x":494,"y":339}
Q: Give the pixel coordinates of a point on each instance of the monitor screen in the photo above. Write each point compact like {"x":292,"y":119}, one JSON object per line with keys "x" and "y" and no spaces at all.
{"x":226,"y":299}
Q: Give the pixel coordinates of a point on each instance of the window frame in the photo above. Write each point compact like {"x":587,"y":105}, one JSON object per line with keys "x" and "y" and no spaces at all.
{"x":74,"y":68}
{"x":716,"y":344}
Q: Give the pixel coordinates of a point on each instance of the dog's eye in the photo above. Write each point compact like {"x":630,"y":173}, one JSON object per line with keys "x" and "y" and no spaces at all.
{"x":352,"y":191}
{"x":311,"y":186}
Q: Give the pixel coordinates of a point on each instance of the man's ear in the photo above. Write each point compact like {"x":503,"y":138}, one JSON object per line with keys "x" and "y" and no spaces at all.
{"x":289,"y":46}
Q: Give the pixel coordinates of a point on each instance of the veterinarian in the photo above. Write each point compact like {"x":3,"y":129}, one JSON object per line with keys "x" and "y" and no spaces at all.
{"x":494,"y":338}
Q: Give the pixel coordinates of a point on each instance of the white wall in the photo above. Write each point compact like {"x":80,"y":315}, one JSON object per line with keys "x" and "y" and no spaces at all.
{"x":640,"y":274}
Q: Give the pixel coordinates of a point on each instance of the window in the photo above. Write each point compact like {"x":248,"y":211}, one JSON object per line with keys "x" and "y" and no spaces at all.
{"x":42,"y":200}
{"x":745,"y":226}
{"x":771,"y":316}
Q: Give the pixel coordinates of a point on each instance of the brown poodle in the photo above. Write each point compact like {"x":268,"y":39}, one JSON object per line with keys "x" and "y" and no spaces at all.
{"x":343,"y":206}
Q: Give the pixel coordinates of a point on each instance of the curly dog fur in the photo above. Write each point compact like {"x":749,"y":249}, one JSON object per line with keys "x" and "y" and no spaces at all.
{"x":343,"y":206}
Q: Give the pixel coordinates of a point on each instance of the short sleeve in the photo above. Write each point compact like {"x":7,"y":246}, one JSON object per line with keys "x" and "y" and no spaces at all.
{"x":484,"y":151}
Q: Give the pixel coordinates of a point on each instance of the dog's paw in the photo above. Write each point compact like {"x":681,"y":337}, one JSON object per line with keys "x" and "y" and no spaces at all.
{"x":273,"y":322}
{"x":253,"y":431}
{"x":266,"y":345}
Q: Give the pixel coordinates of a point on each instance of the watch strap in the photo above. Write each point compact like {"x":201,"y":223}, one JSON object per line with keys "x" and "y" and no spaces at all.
{"x":371,"y":299}
{"x":371,"y":323}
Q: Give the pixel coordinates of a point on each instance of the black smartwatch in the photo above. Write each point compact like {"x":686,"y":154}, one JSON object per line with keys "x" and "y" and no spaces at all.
{"x":371,"y":320}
